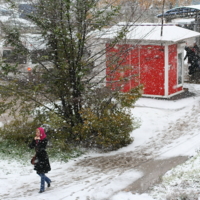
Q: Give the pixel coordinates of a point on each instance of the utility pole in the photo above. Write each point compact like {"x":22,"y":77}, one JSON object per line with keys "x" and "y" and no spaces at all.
{"x":177,"y":3}
{"x":161,"y":34}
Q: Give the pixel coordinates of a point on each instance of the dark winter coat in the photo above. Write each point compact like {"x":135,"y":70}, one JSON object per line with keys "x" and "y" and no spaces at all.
{"x":196,"y":49}
{"x":190,"y":54}
{"x":193,"y":59}
{"x":42,"y":164}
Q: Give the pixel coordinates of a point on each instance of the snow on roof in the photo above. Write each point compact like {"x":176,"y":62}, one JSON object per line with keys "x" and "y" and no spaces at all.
{"x":30,"y":41}
{"x":16,"y":21}
{"x":197,"y":7}
{"x":183,"y":21}
{"x":4,"y":18}
{"x":33,"y":41}
{"x":150,"y":32}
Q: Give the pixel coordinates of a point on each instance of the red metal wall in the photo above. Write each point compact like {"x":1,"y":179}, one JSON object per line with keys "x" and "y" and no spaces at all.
{"x":152,"y":69}
{"x":141,"y":65}
{"x":135,"y":64}
{"x":173,"y":70}
{"x":119,"y":69}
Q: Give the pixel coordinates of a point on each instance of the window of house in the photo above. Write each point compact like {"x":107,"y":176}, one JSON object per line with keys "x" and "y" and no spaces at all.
{"x":9,"y":56}
{"x":40,"y":56}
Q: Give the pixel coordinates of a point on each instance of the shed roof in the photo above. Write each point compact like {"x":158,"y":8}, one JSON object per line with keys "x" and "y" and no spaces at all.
{"x":151,"y":32}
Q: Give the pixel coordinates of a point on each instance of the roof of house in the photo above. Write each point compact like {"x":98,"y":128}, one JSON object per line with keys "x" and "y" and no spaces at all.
{"x":183,"y":11}
{"x":30,"y":41}
{"x":150,"y":32}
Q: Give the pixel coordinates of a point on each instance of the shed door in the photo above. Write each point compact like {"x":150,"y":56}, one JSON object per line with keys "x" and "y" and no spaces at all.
{"x":152,"y":69}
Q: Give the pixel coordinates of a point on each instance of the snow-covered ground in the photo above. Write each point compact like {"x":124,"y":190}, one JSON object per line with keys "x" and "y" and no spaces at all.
{"x":168,"y":129}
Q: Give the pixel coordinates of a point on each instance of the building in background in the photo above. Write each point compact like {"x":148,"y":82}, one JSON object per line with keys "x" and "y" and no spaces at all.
{"x":146,"y":57}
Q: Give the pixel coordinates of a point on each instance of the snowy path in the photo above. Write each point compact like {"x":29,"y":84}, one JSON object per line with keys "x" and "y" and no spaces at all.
{"x":167,"y":127}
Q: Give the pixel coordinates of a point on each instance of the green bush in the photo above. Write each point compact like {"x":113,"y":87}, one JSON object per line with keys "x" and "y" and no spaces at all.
{"x":109,"y":131}
{"x":19,"y":131}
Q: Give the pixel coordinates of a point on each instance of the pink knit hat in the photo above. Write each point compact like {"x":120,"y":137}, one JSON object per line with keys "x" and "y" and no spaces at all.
{"x":42,"y":133}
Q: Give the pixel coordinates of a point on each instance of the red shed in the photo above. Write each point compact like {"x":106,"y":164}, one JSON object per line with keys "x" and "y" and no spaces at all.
{"x":145,"y":57}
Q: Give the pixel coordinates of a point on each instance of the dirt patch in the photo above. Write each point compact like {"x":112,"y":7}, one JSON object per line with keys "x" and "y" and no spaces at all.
{"x":122,"y":161}
{"x":153,"y":171}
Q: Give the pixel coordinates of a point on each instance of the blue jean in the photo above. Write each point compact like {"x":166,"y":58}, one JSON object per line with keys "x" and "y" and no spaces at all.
{"x":43,"y":180}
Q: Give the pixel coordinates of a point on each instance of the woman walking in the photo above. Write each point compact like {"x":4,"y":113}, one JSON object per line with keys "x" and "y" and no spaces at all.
{"x":41,"y":163}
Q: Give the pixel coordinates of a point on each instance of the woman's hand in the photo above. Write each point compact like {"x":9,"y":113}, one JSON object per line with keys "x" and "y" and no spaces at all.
{"x":37,"y":138}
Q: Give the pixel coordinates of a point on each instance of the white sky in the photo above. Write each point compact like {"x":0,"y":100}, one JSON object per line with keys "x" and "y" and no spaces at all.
{"x":159,"y":118}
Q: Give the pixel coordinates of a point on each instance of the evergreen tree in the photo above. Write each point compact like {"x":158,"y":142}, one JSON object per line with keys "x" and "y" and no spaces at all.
{"x":64,"y":82}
